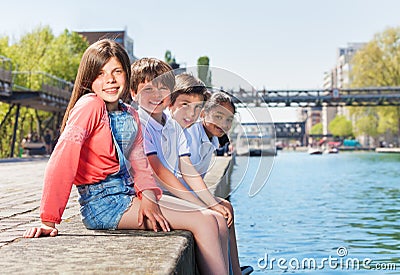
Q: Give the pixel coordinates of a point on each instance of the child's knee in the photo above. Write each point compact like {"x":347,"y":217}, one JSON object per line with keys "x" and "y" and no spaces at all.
{"x":208,"y":219}
{"x":228,"y":205}
{"x":222,"y":224}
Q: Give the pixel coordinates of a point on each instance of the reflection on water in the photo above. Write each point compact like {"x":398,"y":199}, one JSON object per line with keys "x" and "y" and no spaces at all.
{"x":313,"y":205}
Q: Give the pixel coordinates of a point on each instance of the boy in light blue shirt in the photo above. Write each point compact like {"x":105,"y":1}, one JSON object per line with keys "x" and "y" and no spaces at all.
{"x":151,"y":86}
{"x":216,"y":120}
{"x":202,"y":136}
{"x":201,"y":147}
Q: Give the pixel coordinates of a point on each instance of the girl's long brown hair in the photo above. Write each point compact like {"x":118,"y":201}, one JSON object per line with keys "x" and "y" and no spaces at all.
{"x":93,"y":60}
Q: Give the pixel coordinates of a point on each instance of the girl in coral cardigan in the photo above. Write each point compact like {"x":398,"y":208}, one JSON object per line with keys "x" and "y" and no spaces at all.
{"x":100,"y":150}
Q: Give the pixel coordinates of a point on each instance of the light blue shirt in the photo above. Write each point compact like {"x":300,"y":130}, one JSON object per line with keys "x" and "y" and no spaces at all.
{"x":168,"y":142}
{"x":200,"y":147}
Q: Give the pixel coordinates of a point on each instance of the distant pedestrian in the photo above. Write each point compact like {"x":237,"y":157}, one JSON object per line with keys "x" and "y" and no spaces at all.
{"x":47,"y":141}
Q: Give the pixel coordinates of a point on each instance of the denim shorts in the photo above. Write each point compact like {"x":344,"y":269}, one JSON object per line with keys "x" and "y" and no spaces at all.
{"x":104,"y":203}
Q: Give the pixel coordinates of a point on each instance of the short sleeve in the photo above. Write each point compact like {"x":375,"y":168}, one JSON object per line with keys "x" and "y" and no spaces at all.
{"x":149,"y":145}
{"x":141,"y":170}
{"x":183,"y":147}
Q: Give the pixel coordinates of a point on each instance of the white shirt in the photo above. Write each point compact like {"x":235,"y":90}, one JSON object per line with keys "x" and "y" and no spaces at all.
{"x":200,"y":147}
{"x":168,"y":142}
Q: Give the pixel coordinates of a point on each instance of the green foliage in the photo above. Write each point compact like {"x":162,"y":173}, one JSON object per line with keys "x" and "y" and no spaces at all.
{"x":203,"y":72}
{"x":203,"y":60}
{"x":168,"y":56}
{"x":341,"y":127}
{"x":27,"y":123}
{"x":4,"y":46}
{"x":171,"y":60}
{"x":64,"y":54}
{"x":367,"y":125}
{"x":37,"y":51}
{"x":40,"y":50}
{"x":377,"y":65}
{"x":30,"y":51}
{"x":316,"y":129}
{"x":389,"y":119}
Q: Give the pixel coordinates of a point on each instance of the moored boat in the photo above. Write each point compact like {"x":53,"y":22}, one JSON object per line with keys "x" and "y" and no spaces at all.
{"x":314,"y":151}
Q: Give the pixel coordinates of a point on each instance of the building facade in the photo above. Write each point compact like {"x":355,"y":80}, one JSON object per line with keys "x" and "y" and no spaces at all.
{"x":339,"y":77}
{"x":119,"y":36}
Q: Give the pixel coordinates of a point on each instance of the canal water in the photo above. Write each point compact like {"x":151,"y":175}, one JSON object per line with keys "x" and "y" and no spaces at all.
{"x":320,"y":214}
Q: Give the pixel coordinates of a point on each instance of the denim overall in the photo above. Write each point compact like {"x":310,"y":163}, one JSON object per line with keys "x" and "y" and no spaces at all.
{"x":104,"y":203}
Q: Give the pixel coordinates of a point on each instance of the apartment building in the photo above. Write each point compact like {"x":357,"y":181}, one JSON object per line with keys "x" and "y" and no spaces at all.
{"x":119,"y":36}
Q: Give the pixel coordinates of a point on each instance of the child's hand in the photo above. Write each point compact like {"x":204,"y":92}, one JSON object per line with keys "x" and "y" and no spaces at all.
{"x":150,"y":209}
{"x":46,"y":229}
{"x":224,"y":211}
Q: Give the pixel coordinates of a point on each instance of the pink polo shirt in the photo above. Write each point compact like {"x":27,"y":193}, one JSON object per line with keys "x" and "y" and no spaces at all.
{"x":85,"y":154}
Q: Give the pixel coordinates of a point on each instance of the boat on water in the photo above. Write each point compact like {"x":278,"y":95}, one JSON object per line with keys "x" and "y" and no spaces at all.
{"x":315,"y":151}
{"x":320,"y":151}
{"x":255,"y":139}
{"x":256,"y":153}
{"x":333,"y":150}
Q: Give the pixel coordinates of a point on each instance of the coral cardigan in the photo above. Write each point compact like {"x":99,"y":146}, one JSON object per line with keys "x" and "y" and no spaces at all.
{"x":85,"y":154}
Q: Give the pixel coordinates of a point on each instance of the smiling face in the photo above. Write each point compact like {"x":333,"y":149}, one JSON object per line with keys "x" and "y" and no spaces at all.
{"x":154,"y":98}
{"x":218,"y":120}
{"x":186,"y":109}
{"x":110,"y":83}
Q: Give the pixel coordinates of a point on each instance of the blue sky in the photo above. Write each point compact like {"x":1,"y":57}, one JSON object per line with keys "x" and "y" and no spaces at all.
{"x":285,"y":44}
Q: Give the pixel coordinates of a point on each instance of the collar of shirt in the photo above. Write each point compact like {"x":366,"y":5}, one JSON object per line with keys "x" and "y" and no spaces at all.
{"x":204,"y":138}
{"x":147,"y":120}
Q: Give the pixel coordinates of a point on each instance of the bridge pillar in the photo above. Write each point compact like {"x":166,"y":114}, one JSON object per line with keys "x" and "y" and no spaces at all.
{"x":14,"y":136}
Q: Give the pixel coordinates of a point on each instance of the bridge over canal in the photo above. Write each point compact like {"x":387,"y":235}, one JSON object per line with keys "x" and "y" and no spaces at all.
{"x":357,"y":97}
{"x":37,"y":90}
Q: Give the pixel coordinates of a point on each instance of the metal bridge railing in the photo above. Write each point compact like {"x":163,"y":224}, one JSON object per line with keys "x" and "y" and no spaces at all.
{"x":369,"y":96}
{"x":5,"y":75}
{"x":40,"y":81}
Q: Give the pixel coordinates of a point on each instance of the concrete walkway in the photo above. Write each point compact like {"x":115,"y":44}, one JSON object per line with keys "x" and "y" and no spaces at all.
{"x":388,"y":150}
{"x":76,"y":249}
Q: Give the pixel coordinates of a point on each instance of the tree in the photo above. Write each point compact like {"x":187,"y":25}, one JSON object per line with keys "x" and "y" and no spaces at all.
{"x":317,"y":129}
{"x":203,"y":70}
{"x":37,"y":51}
{"x":367,"y":125}
{"x":341,"y":127}
{"x":377,"y":65}
{"x":171,"y":60}
{"x":4,"y":46}
{"x":168,"y":56}
{"x":64,"y":54}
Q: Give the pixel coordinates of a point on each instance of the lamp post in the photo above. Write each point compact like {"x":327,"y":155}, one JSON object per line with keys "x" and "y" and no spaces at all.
{"x":305,"y":136}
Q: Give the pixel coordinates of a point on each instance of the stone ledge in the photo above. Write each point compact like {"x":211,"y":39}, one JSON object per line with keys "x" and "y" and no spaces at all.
{"x":78,"y":250}
{"x":82,"y":251}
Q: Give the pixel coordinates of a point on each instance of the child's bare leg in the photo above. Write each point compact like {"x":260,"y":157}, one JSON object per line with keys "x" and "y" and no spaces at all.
{"x":224,"y":233}
{"x":202,"y":223}
{"x":232,"y":239}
